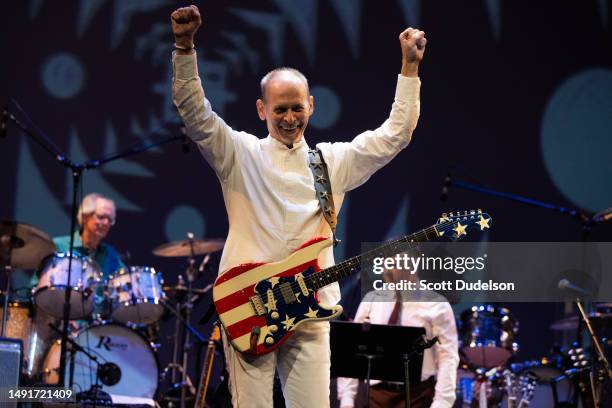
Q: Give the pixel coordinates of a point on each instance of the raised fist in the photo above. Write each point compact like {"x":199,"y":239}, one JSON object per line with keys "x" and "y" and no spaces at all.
{"x":185,"y":23}
{"x":413,"y":43}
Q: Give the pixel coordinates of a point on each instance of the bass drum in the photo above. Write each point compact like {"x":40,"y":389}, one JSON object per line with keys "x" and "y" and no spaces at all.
{"x":129,"y":364}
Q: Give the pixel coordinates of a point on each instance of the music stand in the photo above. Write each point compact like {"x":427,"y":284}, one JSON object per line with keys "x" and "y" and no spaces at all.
{"x":375,"y":351}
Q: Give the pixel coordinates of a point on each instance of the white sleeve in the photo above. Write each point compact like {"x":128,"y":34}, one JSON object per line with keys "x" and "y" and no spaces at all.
{"x":447,"y":356}
{"x":215,"y":139}
{"x":352,"y":163}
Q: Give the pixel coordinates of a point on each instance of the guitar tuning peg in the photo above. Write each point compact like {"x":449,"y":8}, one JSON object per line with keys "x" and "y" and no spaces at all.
{"x":451,"y":214}
{"x":472,"y":212}
{"x":479,"y":211}
{"x":444,"y":215}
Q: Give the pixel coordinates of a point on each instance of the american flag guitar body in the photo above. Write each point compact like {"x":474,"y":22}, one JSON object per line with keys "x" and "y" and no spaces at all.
{"x":260,"y":305}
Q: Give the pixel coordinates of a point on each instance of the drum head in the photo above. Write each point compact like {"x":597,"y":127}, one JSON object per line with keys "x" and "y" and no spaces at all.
{"x":487,"y":335}
{"x":130,"y":366}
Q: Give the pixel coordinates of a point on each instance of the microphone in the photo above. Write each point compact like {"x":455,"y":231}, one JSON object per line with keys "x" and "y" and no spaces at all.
{"x":3,"y":123}
{"x":566,"y":284}
{"x":184,"y":140}
{"x":447,"y":183}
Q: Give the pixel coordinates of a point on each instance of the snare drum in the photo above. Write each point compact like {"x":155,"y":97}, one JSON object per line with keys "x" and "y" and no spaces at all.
{"x":135,"y":295}
{"x":49,"y":293}
{"x":487,"y":335}
{"x":129,"y":364}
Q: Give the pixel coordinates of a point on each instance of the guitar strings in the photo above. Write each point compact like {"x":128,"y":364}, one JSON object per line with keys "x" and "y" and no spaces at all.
{"x":341,"y":269}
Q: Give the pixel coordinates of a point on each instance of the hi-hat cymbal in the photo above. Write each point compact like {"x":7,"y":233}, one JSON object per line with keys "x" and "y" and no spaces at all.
{"x":183,"y":248}
{"x":25,"y":245}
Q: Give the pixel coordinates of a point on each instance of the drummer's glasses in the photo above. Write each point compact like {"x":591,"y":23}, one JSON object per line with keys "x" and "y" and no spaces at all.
{"x":102,"y":217}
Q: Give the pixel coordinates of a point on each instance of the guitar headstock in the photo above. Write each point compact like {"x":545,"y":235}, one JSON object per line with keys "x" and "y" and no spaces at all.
{"x":454,"y":225}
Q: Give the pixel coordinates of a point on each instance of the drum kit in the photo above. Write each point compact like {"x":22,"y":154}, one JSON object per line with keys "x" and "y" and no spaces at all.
{"x":489,"y":375}
{"x":116,"y":320}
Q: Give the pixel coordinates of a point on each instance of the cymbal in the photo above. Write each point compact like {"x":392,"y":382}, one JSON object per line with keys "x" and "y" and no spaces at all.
{"x":182,"y":289}
{"x":183,"y":248}
{"x":603,"y":215}
{"x":571,"y":323}
{"x":25,"y":245}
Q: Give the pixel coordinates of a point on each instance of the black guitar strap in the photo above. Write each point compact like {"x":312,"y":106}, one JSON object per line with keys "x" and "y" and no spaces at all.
{"x":323,"y":189}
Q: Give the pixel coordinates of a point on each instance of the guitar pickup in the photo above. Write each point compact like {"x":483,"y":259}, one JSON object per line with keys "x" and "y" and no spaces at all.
{"x":287,"y":293}
{"x":258,"y":305}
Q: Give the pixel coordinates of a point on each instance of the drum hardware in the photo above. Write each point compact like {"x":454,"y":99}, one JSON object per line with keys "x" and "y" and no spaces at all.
{"x":75,"y":348}
{"x":76,"y":170}
{"x":126,"y":364}
{"x":188,"y":248}
{"x":598,"y":377}
{"x":135,"y":295}
{"x":21,"y":246}
{"x":184,"y":390}
{"x":30,"y":326}
{"x":55,"y":279}
{"x":487,"y":336}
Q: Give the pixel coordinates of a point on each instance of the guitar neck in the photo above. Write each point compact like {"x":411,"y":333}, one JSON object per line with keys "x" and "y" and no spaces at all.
{"x":342,"y":270}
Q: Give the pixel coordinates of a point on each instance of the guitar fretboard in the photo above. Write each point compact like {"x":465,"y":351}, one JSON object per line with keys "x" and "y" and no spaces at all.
{"x":343,"y":269}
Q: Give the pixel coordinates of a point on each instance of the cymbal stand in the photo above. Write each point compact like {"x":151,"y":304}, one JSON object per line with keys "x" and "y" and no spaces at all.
{"x":601,"y":357}
{"x":5,"y":310}
{"x":191,"y":277}
{"x":183,"y":331}
{"x":6,"y":247}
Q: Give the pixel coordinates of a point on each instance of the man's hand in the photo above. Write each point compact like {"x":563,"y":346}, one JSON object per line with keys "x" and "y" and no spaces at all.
{"x":413,"y":43}
{"x":185,"y":23}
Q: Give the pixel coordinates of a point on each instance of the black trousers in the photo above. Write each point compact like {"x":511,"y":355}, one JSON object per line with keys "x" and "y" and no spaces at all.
{"x":385,"y":395}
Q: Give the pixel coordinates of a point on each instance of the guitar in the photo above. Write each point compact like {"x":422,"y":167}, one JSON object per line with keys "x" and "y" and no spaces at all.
{"x":207,"y":368}
{"x":527,"y":385}
{"x":260,"y":304}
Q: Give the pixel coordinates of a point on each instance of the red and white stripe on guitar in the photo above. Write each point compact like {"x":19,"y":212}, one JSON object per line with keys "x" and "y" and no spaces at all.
{"x":234,"y":290}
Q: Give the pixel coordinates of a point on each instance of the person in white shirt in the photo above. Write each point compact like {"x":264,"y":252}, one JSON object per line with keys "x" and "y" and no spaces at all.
{"x":270,"y":197}
{"x":440,"y":363}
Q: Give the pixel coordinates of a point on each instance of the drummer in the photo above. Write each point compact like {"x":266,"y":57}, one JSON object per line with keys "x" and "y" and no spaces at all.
{"x":96,"y":216}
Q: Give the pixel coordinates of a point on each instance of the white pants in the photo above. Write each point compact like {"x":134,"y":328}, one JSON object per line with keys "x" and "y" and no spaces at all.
{"x":303,"y":363}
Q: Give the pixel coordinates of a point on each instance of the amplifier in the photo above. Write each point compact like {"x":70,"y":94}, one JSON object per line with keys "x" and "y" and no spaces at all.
{"x":10,"y":365}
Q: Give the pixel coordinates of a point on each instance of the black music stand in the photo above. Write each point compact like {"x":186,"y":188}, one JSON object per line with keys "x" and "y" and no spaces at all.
{"x":375,"y":351}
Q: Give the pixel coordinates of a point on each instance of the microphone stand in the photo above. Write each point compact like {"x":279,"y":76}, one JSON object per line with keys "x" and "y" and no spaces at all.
{"x":585,"y":220}
{"x":95,"y":389}
{"x":77,"y":171}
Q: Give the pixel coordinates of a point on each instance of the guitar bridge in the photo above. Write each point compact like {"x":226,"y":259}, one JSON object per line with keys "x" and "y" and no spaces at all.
{"x":258,"y":305}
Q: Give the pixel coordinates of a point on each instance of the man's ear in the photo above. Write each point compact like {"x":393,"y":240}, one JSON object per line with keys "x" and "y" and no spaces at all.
{"x":311,"y":103}
{"x":261,"y":109}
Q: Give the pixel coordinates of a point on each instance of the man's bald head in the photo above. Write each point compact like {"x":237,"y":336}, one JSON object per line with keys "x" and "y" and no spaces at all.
{"x":284,"y":73}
